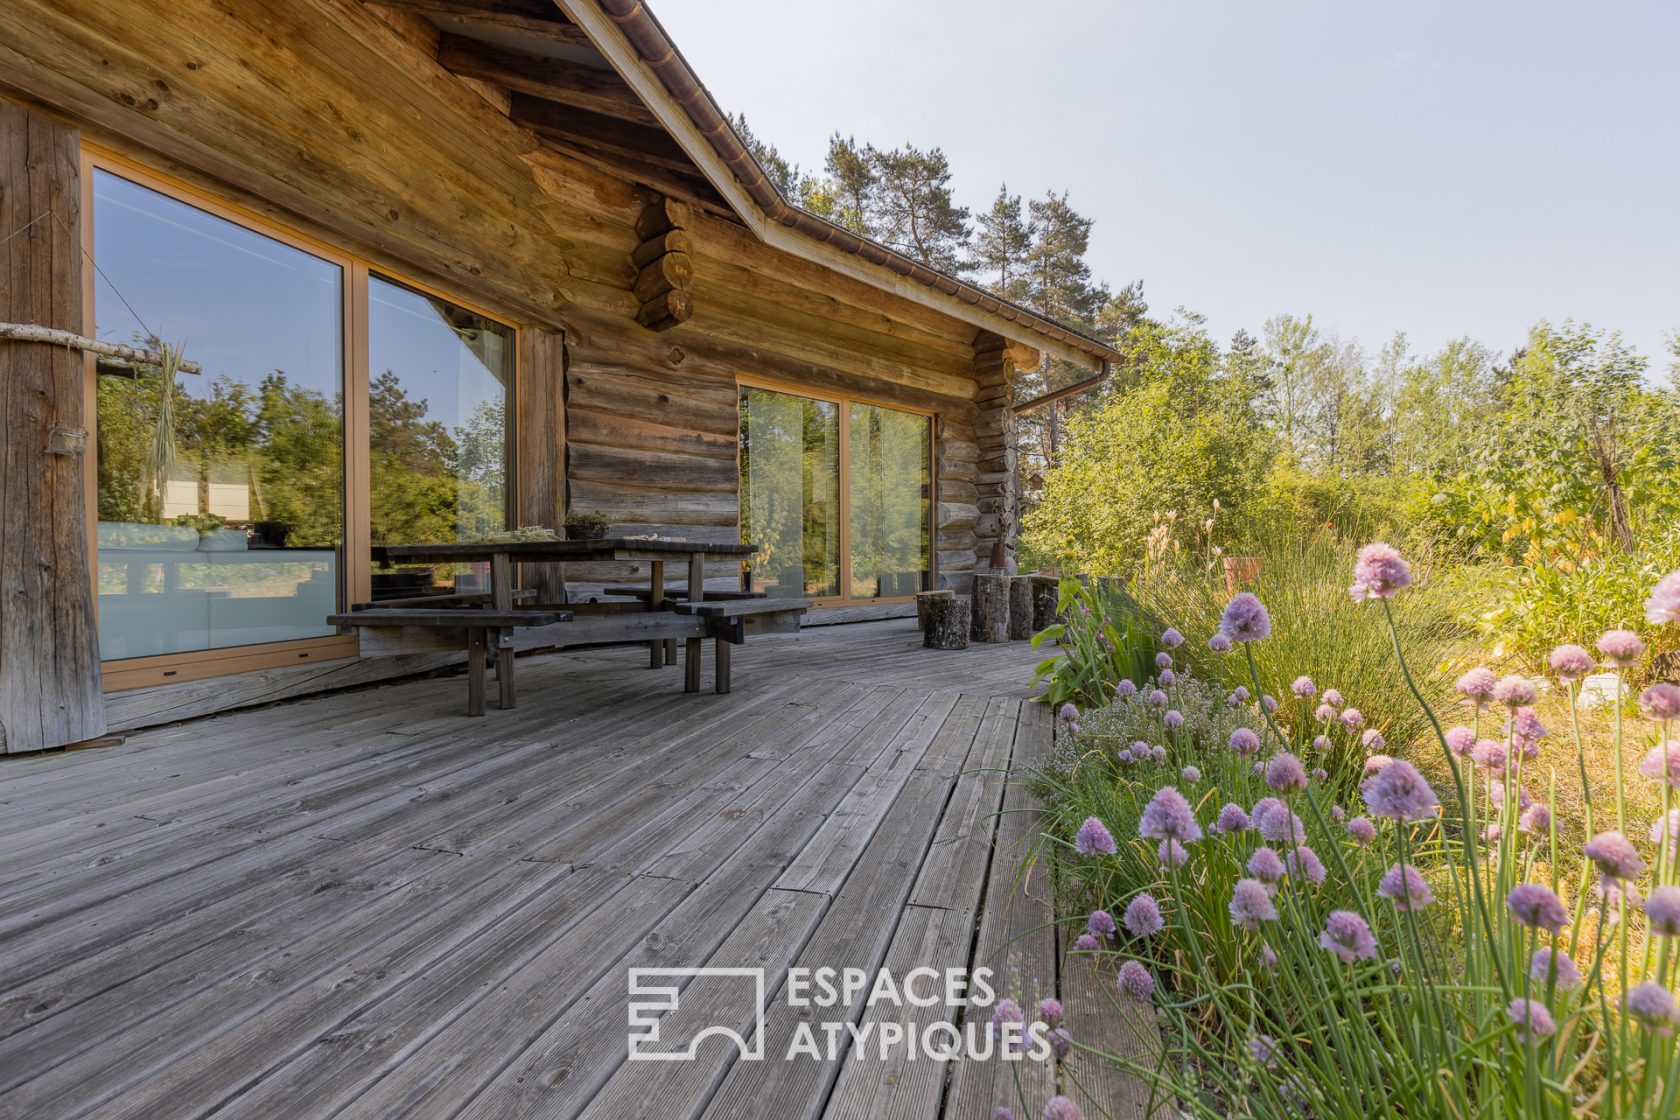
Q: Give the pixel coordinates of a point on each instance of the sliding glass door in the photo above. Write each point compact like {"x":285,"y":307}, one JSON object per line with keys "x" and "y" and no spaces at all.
{"x":837,"y":495}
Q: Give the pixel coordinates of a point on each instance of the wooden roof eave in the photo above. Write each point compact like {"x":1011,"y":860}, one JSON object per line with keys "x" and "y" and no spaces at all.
{"x":634,"y":45}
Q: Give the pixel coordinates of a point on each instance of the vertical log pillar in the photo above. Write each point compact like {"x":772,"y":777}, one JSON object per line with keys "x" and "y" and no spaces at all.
{"x":1021,"y":608}
{"x":50,"y":692}
{"x":991,"y":607}
{"x":995,"y":363}
{"x":540,"y":417}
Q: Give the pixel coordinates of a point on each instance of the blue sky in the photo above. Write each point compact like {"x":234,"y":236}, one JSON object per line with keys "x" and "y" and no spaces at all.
{"x":1444,"y":169}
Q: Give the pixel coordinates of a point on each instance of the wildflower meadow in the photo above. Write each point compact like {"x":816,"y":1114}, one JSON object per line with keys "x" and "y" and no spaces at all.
{"x":1325,"y":921}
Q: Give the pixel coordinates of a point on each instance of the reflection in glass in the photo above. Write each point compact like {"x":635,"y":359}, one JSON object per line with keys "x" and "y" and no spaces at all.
{"x":437,"y":427}
{"x":888,"y":488}
{"x":221,"y":494}
{"x":790,"y":491}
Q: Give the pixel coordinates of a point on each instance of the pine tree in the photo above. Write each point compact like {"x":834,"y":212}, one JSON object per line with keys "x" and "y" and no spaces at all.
{"x":916,"y":214}
{"x":855,"y":183}
{"x":784,"y":175}
{"x":1058,"y":279}
{"x":1001,"y":243}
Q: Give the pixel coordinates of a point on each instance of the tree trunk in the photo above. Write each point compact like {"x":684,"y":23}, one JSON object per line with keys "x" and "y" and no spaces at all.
{"x":991,"y":607}
{"x":947,"y":623}
{"x":50,"y":692}
{"x":1046,"y":590}
{"x":1021,"y":607}
{"x":924,"y":598}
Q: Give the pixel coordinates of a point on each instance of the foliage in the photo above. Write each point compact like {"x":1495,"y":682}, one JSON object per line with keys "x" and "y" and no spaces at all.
{"x":1422,"y":1013}
{"x":1102,"y":639}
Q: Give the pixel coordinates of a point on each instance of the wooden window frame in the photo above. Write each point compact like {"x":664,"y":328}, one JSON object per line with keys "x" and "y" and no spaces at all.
{"x":841,"y":401}
{"x":356,"y":569}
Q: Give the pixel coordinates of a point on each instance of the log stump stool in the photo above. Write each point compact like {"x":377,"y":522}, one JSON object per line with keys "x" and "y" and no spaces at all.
{"x":947,"y":622}
{"x":1046,"y":589}
{"x":991,"y":607}
{"x":1021,"y":608}
{"x":923,"y":598}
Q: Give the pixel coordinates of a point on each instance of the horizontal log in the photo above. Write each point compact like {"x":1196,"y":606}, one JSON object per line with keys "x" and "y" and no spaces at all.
{"x":669,"y":310}
{"x":622,"y":503}
{"x":552,"y":79}
{"x":662,"y":215}
{"x":624,"y":429}
{"x":956,"y":515}
{"x":663,"y":274}
{"x":634,"y":466}
{"x":671,"y":241}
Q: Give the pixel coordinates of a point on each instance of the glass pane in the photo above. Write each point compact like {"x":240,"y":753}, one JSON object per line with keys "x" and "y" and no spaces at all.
{"x":888,"y":486}
{"x":221,"y":494}
{"x":438,"y":427}
{"x":790,"y":491}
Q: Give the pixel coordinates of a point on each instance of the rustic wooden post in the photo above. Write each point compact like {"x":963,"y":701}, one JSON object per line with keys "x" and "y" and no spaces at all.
{"x":1021,"y":608}
{"x":947,"y":623}
{"x":49,"y":650}
{"x":541,"y":420}
{"x":1046,"y":590}
{"x":991,"y":607}
{"x":923,"y":598}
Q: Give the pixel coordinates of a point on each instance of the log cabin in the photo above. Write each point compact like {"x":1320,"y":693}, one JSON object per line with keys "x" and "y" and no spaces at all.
{"x":337,"y":274}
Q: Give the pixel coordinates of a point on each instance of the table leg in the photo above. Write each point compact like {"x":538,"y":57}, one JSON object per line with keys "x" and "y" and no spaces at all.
{"x":475,"y":670}
{"x":504,"y":668}
{"x":691,"y":666}
{"x":721,"y":671}
{"x":501,"y":581}
{"x":697,"y":577}
{"x":657,"y":649}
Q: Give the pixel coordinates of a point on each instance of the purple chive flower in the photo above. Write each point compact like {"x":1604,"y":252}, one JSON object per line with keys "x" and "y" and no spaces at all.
{"x":1061,"y":1042}
{"x":1376,"y":762}
{"x":1324,"y":713}
{"x":1477,"y":686}
{"x":1362,"y":830}
{"x":1338,"y":814}
{"x":1086,"y":943}
{"x":1190,"y":775}
{"x":1125,"y":689}
{"x":1171,"y":853}
{"x":1157,"y":698}
{"x":1006,"y":1011}
{"x":1304,"y":688}
{"x":1349,"y":936}
{"x":1267,"y":866}
{"x":1273,"y":820}
{"x":1664,"y":603}
{"x":1526,"y":726}
{"x":1240,"y":694}
{"x":1094,"y":839}
{"x":1304,"y":864}
{"x":1490,"y":755}
{"x":1399,"y":792}
{"x":1545,"y":960}
{"x":1060,"y":1108}
{"x":1653,"y":1005}
{"x":1068,"y":714}
{"x":1404,"y":885}
{"x":1660,"y":702}
{"x":1614,"y":856}
{"x":1050,"y":1010}
{"x":1100,"y":923}
{"x":1535,"y":906}
{"x":1143,"y":916}
{"x":1333,"y":697}
{"x":1171,"y":638}
{"x":1662,"y":912}
{"x":1532,"y":1020}
{"x":1321,"y":742}
{"x":1321,"y":775}
{"x":1264,"y":1049}
{"x":1460,"y":741}
{"x":1219,"y":643}
{"x":1158,"y":753}
{"x":1373,"y":739}
{"x":1662,"y":764}
{"x":1163,"y":660}
{"x":1125,"y":755}
{"x":1571,"y":662}
{"x":1251,"y":904}
{"x":1621,"y":648}
{"x":1268,"y":957}
{"x":1168,"y":678}
{"x":1135,"y":982}
{"x":1285,"y":774}
{"x":1268,"y":704}
{"x":1673,"y":828}
{"x":1174,"y":719}
{"x":1536,"y":819}
{"x":1244,"y":741}
{"x":1232,"y":818}
{"x":1245,"y":619}
{"x":1353,"y":719}
{"x":1002,"y":1113}
{"x":1168,"y":817}
{"x":1378,"y":573}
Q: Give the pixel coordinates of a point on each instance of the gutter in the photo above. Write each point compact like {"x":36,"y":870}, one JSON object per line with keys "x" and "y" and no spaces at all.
{"x":656,"y":51}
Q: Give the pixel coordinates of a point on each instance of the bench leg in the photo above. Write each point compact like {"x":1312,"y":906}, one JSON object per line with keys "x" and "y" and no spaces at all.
{"x":670,"y":651}
{"x":656,"y":654}
{"x":504,"y":670}
{"x":691,"y":666}
{"x":721,"y":667}
{"x":475,"y":671}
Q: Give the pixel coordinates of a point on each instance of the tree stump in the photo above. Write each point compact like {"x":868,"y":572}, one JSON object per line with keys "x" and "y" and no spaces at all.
{"x":991,"y":607}
{"x":947,"y":622}
{"x":923,"y":598}
{"x":1021,"y":608}
{"x":1045,"y":590}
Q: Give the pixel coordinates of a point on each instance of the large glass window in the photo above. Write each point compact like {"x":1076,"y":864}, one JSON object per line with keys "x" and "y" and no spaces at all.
{"x":221,"y":494}
{"x":830,"y":487}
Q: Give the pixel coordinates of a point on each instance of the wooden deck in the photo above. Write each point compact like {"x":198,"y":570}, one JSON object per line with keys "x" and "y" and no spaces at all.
{"x":369,"y":905}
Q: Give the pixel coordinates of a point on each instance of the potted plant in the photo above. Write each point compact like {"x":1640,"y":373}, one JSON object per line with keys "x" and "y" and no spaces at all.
{"x":582,"y":526}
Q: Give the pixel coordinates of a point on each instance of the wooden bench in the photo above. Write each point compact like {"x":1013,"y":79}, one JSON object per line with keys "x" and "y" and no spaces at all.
{"x":726,"y":621}
{"x":442,"y":599}
{"x":476,"y":625}
{"x":677,"y":594}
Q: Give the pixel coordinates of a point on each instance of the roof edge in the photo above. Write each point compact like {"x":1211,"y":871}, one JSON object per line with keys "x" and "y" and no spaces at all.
{"x":725,"y":155}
